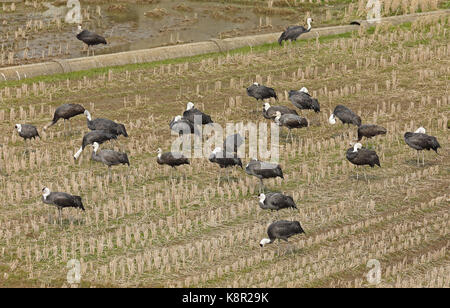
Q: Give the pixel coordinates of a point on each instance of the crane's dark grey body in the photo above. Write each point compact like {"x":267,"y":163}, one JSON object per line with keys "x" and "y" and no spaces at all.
{"x":346,"y":115}
{"x":91,"y":38}
{"x":291,"y":121}
{"x":261,"y":92}
{"x":63,"y":200}
{"x":420,"y":142}
{"x":172,"y":159}
{"x":292,"y":33}
{"x":194,"y":113}
{"x":108,"y":126}
{"x":66,"y":112}
{"x":283,"y":229}
{"x":99,"y":136}
{"x":370,"y":130}
{"x":28,"y":131}
{"x":232,"y":143}
{"x":303,"y":100}
{"x":224,"y":159}
{"x":277,"y":201}
{"x":263,"y":170}
{"x":270,"y":113}
{"x":110,"y":157}
{"x":363,"y":157}
{"x":182,"y":126}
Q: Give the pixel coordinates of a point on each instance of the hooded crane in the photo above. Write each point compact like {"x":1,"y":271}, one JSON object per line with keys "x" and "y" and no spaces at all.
{"x":61,"y":200}
{"x":65,"y":112}
{"x":182,"y":126}
{"x":261,"y":92}
{"x":420,"y":141}
{"x":302,"y":100}
{"x":370,"y":130}
{"x":191,"y":113}
{"x":270,"y":112}
{"x":360,"y":156}
{"x":293,"y":32}
{"x":105,"y":125}
{"x":27,"y":131}
{"x":345,"y":115}
{"x":232,"y":143}
{"x":99,"y":136}
{"x":109,"y":157}
{"x":281,"y":230}
{"x":90,"y":38}
{"x":171,"y":159}
{"x":263,"y":170}
{"x":224,"y":159}
{"x":290,"y":121}
{"x":276,"y":202}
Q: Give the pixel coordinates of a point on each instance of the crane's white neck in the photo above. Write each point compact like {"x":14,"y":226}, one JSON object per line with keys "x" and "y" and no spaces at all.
{"x":420,"y":130}
{"x":46,"y":193}
{"x":332,"y":119}
{"x":159,"y":152}
{"x":77,"y":154}
{"x":308,"y":21}
{"x":177,"y":118}
{"x":19,"y":127}
{"x":356,"y":147}
{"x":256,"y":84}
{"x":264,"y":242}
{"x":266,"y":106}
{"x":262,"y":197}
{"x":304,"y":90}
{"x":189,"y":106}
{"x":217,"y":150}
{"x":88,"y":115}
{"x":278,"y":117}
{"x":79,"y":29}
{"x":95,"y":146}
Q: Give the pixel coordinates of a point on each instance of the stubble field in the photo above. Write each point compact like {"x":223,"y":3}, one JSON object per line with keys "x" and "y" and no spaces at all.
{"x":143,"y":228}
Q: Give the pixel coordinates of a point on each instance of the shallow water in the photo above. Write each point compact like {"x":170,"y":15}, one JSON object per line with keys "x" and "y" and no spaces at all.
{"x":130,"y":29}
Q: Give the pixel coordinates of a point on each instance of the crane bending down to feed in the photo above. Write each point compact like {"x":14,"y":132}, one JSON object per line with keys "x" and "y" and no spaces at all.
{"x":66,"y":112}
{"x":345,"y":115}
{"x":293,"y":32}
{"x":270,"y":112}
{"x":370,"y":130}
{"x":105,"y":125}
{"x":263,"y":170}
{"x":276,"y":202}
{"x":225,"y":159}
{"x":290,"y":121}
{"x":99,"y":136}
{"x":90,"y":38}
{"x":420,"y":141}
{"x":61,"y":200}
{"x":281,"y":230}
{"x":109,"y":157}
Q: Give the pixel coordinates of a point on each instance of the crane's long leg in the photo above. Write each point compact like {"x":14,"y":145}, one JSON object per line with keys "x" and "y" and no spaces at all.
{"x":418,"y":159}
{"x":261,"y":187}
{"x":60,"y":216}
{"x":423,"y":158}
